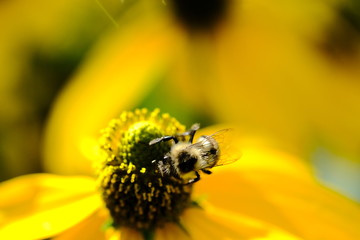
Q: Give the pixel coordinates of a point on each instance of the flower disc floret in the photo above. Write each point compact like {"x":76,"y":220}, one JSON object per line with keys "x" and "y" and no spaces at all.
{"x":135,"y":192}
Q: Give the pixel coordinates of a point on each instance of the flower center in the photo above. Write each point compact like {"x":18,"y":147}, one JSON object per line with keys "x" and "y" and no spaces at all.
{"x":135,"y":192}
{"x":200,"y":14}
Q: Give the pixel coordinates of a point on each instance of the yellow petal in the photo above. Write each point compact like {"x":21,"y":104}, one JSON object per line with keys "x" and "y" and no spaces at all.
{"x":92,"y":228}
{"x":127,"y":233}
{"x":216,"y":223}
{"x":265,"y":186}
{"x":42,"y":205}
{"x":120,"y":71}
{"x":171,"y":231}
{"x":124,"y":234}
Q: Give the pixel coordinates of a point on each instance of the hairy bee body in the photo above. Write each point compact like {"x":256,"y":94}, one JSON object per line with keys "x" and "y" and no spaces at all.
{"x":185,"y":158}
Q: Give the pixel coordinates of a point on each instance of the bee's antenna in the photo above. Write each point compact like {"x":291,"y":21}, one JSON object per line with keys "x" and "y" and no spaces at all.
{"x":195,"y":126}
{"x":191,"y":132}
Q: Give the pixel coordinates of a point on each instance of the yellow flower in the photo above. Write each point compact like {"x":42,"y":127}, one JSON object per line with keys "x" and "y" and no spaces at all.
{"x":255,"y":65}
{"x":265,"y":195}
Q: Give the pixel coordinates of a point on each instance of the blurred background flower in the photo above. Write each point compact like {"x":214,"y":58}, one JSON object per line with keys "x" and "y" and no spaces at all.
{"x":41,"y":45}
{"x":284,"y":72}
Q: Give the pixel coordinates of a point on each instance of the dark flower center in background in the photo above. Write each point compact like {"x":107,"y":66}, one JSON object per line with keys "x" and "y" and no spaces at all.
{"x":200,"y":14}
{"x":340,"y":41}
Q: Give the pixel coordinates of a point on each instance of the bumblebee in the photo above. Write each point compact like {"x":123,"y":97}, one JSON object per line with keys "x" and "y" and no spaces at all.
{"x":186,"y":158}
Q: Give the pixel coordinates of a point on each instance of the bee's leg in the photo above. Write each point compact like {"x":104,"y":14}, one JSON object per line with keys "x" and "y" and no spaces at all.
{"x":163,"y":139}
{"x":161,"y":167}
{"x":206,"y":171}
{"x":194,"y":180}
{"x":166,"y":158}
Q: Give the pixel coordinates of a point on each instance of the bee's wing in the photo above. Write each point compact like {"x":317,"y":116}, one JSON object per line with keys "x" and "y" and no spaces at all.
{"x":229,"y":152}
